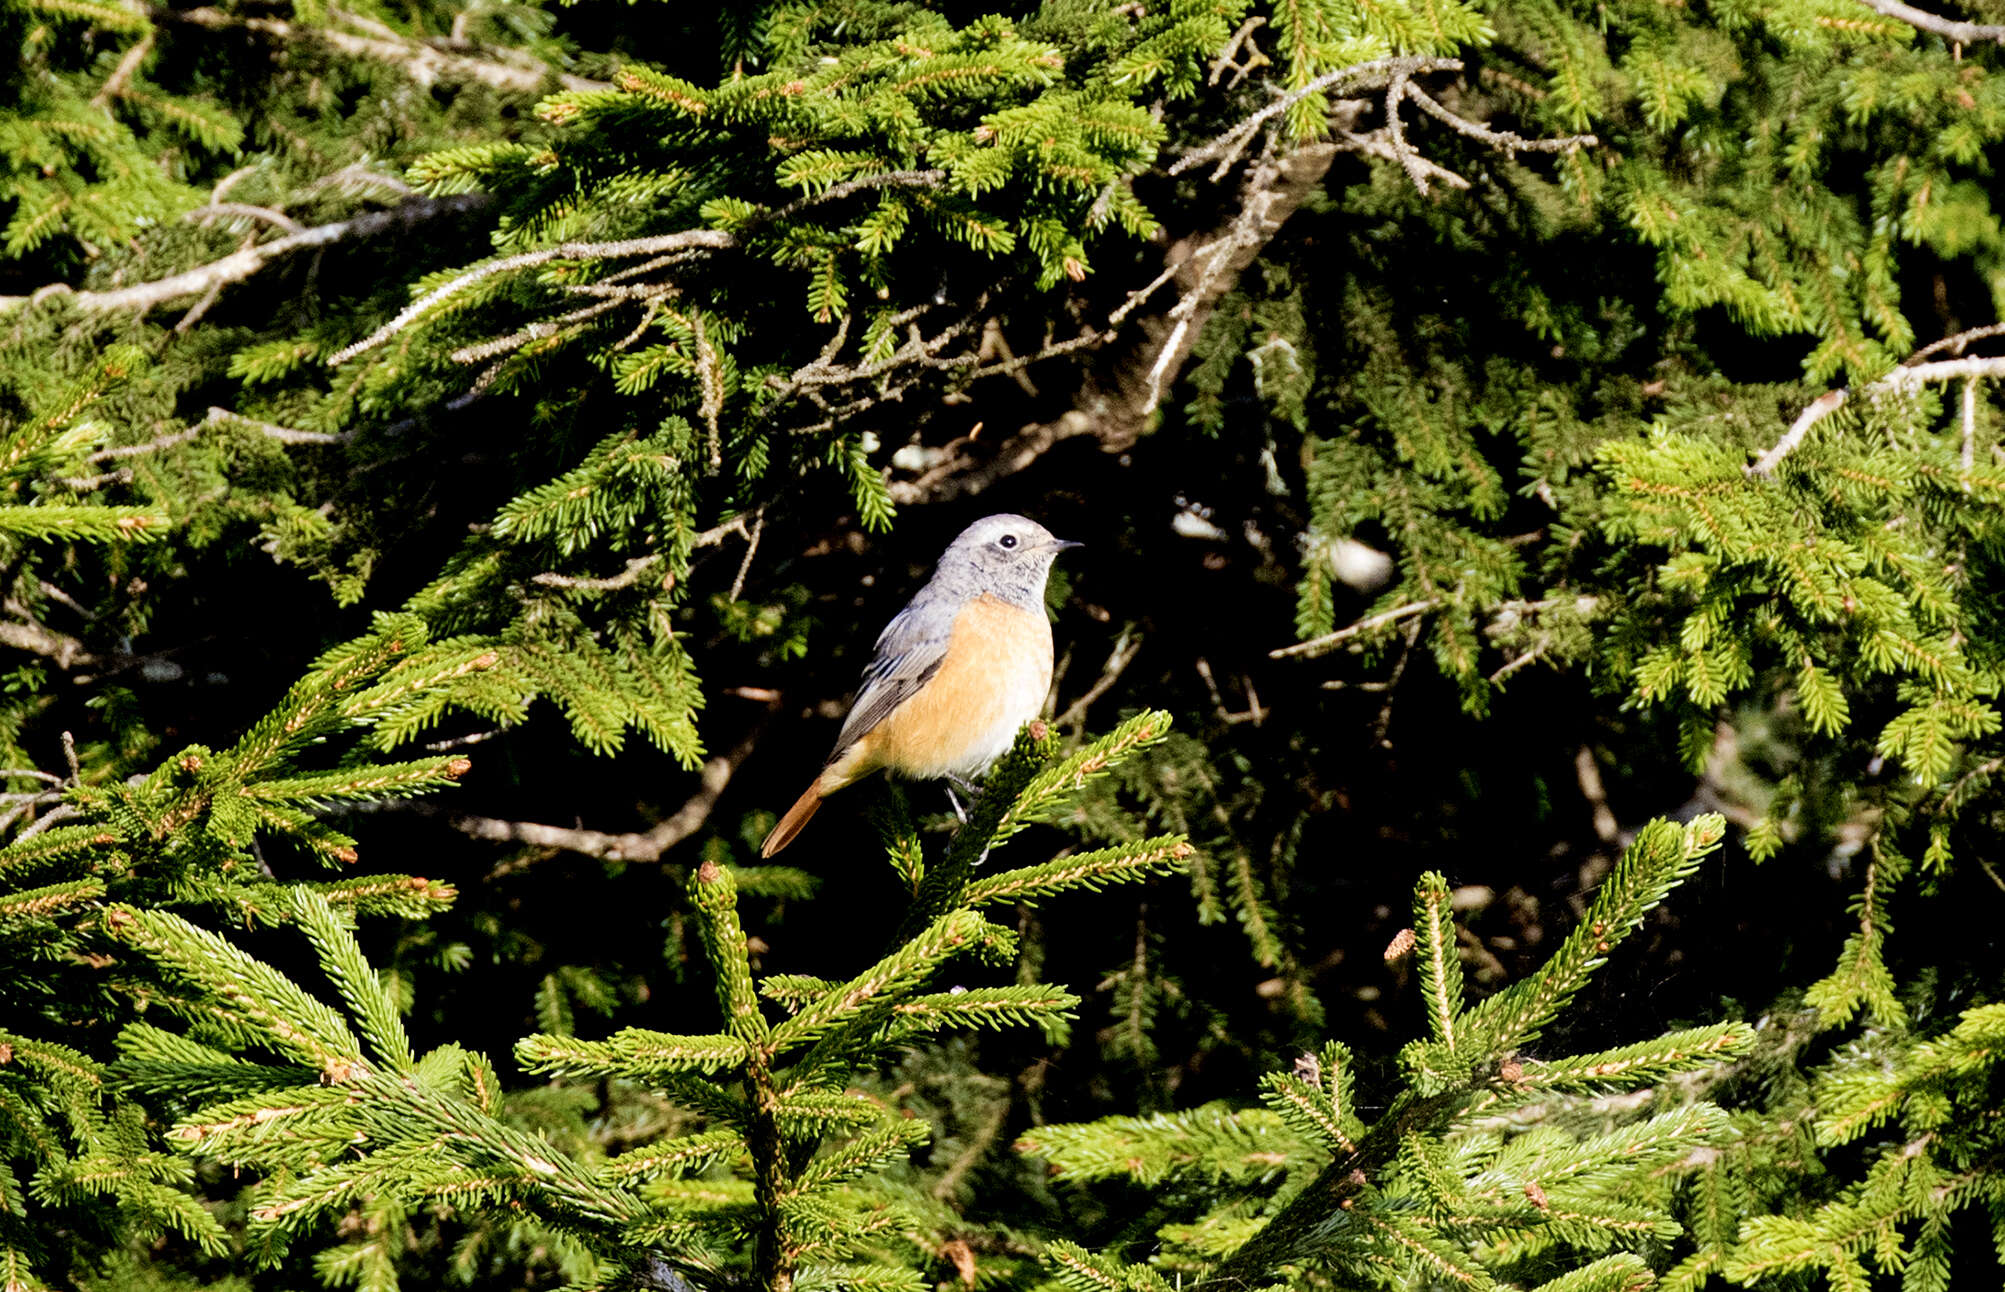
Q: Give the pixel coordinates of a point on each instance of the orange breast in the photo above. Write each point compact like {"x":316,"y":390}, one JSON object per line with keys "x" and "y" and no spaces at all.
{"x":993,"y":680}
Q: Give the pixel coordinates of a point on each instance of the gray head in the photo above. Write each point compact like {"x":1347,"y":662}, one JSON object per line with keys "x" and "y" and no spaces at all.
{"x":1005,"y":556}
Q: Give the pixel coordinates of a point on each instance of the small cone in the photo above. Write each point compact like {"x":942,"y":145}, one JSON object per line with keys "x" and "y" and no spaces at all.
{"x":790,"y":825}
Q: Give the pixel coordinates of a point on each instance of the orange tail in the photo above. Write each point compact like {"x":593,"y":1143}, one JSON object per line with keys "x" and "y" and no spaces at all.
{"x":791,"y":824}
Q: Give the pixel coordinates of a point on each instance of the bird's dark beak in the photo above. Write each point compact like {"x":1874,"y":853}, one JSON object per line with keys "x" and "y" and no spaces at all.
{"x":1060,"y":544}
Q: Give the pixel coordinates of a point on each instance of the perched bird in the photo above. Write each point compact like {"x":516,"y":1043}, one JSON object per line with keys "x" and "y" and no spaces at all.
{"x":955,"y":673}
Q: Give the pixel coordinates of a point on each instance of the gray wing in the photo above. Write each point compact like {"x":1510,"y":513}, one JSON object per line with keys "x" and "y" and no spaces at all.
{"x":909,"y":651}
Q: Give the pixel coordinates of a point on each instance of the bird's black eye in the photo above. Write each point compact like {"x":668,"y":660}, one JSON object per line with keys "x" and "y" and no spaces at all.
{"x":1007,"y":540}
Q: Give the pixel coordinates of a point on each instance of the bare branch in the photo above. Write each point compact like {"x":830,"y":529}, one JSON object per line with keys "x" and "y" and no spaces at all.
{"x":1252,"y":713}
{"x":234,"y":178}
{"x":158,"y":444}
{"x":1941,"y":370}
{"x":1227,"y":60}
{"x":1126,"y":647}
{"x":461,"y":742}
{"x":1495,"y":138}
{"x":1395,"y":130}
{"x":91,"y":484}
{"x":244,"y":210}
{"x":215,"y":417}
{"x":63,"y":812}
{"x":836,"y":192}
{"x":741,"y":524}
{"x":283,"y":434}
{"x":688,"y":239}
{"x":1517,"y":662}
{"x":1376,"y":144}
{"x":626,"y":578}
{"x":121,"y":76}
{"x":1330,"y":641}
{"x":1957,"y":343}
{"x":350,"y":180}
{"x":423,"y":62}
{"x":1819,"y":408}
{"x":679,"y":245}
{"x":751,"y":550}
{"x":1119,"y":397}
{"x":28,"y":634}
{"x":710,"y":381}
{"x":242,"y":264}
{"x":1957,"y":33}
{"x":954,"y":478}
{"x":541,"y":329}
{"x":215,"y":293}
{"x":645,"y":846}
{"x":1968,"y":458}
{"x":1230,"y":146}
{"x":1899,"y":380}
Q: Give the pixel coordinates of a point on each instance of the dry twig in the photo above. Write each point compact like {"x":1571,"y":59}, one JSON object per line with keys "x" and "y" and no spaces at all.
{"x":644,"y":846}
{"x":1899,"y":381}
{"x":423,"y":62}
{"x":1330,"y":641}
{"x":1957,"y":33}
{"x":242,"y":264}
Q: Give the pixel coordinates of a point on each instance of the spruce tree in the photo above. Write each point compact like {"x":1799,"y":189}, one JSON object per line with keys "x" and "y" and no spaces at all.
{"x":1625,"y":374}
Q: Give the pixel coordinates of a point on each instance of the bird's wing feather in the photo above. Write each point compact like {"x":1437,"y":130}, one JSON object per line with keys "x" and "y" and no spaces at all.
{"x":909,"y":652}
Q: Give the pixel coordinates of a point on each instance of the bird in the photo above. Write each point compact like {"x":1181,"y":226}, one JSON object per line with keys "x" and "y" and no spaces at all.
{"x":954,"y":674}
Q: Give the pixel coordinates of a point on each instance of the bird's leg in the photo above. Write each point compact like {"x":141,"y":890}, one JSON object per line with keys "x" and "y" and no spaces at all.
{"x":954,"y":801}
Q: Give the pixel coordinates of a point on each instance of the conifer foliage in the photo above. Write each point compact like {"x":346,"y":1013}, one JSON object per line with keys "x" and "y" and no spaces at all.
{"x":1486,"y":1167}
{"x":775,"y":1183}
{"x":1637,"y":358}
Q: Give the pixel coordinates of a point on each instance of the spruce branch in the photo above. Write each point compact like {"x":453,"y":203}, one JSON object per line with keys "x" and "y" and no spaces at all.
{"x":983,"y":1007}
{"x":1315,"y":1098}
{"x":1643,"y":1064}
{"x":369,"y":1002}
{"x":682,"y":1155}
{"x":940,"y":889}
{"x":276,"y":1011}
{"x":632,"y":1052}
{"x":958,"y":932}
{"x":1051,"y":790}
{"x":1213,"y":1140}
{"x":121,"y":76}
{"x":1662,"y":855}
{"x":1308,"y":1223}
{"x":1440,"y":960}
{"x":715,"y":897}
{"x":1123,"y":863}
{"x":35,"y":905}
